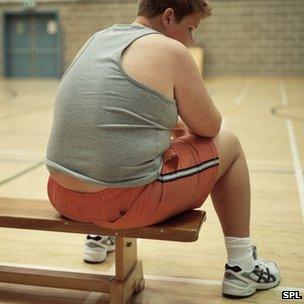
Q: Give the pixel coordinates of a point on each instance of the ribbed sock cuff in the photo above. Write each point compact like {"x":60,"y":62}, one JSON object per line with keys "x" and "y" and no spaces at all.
{"x":239,"y":253}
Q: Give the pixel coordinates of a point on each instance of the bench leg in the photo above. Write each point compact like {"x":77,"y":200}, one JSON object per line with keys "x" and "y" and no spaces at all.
{"x":129,"y":272}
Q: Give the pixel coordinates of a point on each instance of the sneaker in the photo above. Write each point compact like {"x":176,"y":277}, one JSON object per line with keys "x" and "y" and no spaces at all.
{"x":238,"y":283}
{"x":96,"y":248}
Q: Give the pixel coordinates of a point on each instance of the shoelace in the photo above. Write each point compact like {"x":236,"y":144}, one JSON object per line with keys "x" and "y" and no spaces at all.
{"x":260,"y":262}
{"x":262,"y":268}
{"x":264,"y":275}
{"x":110,"y":240}
{"x":255,"y":251}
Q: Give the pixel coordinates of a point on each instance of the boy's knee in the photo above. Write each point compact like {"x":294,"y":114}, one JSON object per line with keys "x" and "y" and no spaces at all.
{"x":228,"y":138}
{"x":231,"y":135}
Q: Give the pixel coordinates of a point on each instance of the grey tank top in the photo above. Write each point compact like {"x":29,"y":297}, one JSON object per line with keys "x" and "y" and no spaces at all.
{"x":109,"y":129}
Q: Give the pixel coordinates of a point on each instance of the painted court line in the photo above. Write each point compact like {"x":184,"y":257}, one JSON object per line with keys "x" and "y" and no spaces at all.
{"x":240,"y":98}
{"x":4,"y":181}
{"x":195,"y":282}
{"x":207,"y":282}
{"x":93,"y":295}
{"x":294,"y":151}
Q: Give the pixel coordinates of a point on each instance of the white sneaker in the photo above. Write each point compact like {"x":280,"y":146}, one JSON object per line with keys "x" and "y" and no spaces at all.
{"x":238,"y":283}
{"x":96,"y":248}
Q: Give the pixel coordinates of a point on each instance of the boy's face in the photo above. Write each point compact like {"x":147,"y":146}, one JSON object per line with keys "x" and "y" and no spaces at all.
{"x":182,"y":31}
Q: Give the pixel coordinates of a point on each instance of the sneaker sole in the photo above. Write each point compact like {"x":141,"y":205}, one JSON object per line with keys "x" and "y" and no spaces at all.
{"x":237,"y":292}
{"x":111,"y":248}
{"x":94,"y":257}
{"x":93,"y":262}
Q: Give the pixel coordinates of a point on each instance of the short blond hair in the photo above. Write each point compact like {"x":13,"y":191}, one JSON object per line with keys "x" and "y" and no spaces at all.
{"x":182,"y":8}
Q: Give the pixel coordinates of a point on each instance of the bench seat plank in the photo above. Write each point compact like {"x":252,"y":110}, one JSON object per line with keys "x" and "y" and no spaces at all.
{"x":40,"y":215}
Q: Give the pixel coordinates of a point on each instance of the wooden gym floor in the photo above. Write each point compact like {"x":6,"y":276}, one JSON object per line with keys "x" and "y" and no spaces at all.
{"x":175,"y":272}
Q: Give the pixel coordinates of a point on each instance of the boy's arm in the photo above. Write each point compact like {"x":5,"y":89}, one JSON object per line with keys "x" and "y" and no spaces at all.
{"x":195,"y":105}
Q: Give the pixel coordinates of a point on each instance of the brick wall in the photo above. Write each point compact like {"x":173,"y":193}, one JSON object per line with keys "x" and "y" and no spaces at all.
{"x":254,"y":37}
{"x":80,"y":21}
{"x":243,"y":37}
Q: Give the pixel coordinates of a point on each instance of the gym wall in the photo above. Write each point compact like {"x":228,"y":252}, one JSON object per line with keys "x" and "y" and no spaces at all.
{"x":243,"y":37}
{"x":254,"y":37}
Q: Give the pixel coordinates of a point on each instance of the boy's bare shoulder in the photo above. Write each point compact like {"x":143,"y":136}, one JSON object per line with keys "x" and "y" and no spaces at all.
{"x":162,"y":40}
{"x":161,"y":46}
{"x":162,"y":56}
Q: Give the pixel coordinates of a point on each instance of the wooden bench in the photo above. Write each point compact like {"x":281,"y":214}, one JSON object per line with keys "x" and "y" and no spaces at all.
{"x":39,"y":215}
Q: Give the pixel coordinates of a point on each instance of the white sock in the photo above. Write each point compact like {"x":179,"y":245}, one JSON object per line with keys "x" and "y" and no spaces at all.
{"x":240,"y":253}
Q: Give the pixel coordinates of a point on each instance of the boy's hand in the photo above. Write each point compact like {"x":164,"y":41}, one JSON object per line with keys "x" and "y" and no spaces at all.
{"x":180,"y":129}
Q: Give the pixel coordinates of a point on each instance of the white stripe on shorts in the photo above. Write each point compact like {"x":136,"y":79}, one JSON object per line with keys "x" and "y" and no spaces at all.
{"x":189,"y":171}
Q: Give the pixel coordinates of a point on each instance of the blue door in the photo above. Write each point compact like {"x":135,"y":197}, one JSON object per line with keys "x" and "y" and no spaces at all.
{"x":32,"y":46}
{"x":46,"y":52}
{"x":18,"y":46}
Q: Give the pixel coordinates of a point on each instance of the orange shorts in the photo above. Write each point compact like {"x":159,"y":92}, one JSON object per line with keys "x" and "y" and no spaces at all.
{"x":187,"y":177}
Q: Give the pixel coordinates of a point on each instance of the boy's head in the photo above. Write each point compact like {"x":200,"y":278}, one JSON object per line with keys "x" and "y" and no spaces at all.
{"x":182,"y":8}
{"x":175,"y":18}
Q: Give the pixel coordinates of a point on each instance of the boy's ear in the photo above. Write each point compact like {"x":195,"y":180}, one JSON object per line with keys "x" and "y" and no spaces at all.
{"x":168,"y":17}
